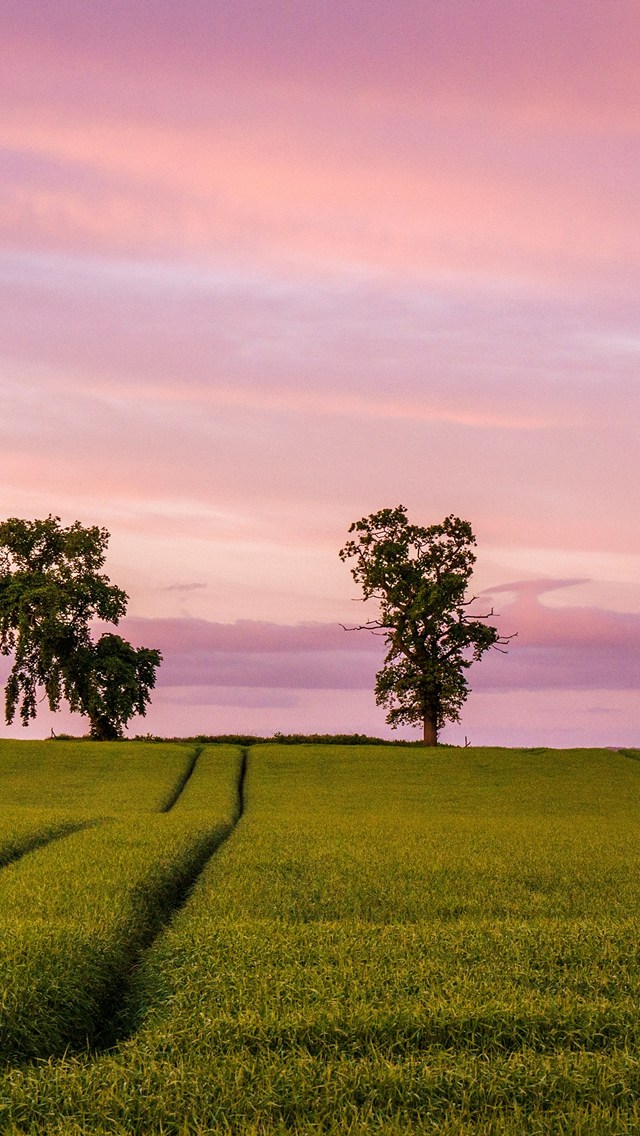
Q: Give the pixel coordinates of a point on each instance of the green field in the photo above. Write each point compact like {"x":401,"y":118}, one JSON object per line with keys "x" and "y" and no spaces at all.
{"x":387,"y":940}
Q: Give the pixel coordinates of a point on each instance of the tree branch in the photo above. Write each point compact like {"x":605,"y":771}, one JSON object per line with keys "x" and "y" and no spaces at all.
{"x":373,"y":626}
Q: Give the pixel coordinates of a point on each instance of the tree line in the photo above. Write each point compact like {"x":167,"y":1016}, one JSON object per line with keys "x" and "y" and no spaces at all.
{"x":52,"y":588}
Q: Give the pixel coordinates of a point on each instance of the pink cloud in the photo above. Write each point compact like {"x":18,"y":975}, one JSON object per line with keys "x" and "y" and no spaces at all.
{"x":329,"y":404}
{"x":250,"y":671}
{"x":503,"y":52}
{"x":250,"y":653}
{"x":219,"y":188}
{"x":539,"y":625}
{"x":560,"y":668}
{"x":562,"y":648}
{"x":271,"y":137}
{"x":247,"y":636}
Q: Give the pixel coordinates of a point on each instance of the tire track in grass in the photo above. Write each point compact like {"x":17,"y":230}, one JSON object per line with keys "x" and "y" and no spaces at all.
{"x":242,"y":775}
{"x":36,"y":840}
{"x":118,"y":1020}
{"x":40,"y":840}
{"x":634,"y":754}
{"x":183,"y":781}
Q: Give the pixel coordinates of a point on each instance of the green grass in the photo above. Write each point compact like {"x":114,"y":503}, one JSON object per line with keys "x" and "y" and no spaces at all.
{"x":49,"y":789}
{"x":99,"y":779}
{"x":25,"y":829}
{"x":394,"y":835}
{"x":391,"y":941}
{"x":212,"y":787}
{"x":75,"y":915}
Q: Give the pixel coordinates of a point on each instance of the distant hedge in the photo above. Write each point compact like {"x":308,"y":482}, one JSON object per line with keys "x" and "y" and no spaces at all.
{"x":251,"y":739}
{"x":281,"y":739}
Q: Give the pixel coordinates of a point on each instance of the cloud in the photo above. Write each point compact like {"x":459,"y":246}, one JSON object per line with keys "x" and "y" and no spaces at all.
{"x":566,"y":60}
{"x":588,"y":667}
{"x":254,"y":698}
{"x":248,"y":636}
{"x":218,"y":385}
{"x":268,"y":130}
{"x":261,"y":676}
{"x":583,"y":628}
{"x":560,"y":648}
{"x":183,"y":587}
{"x":250,"y":653}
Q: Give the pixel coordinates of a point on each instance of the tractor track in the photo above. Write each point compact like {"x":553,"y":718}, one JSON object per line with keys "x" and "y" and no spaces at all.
{"x":40,"y":840}
{"x":183,"y":781}
{"x":118,"y":1020}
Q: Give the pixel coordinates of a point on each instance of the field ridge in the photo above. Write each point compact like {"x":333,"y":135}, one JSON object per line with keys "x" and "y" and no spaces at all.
{"x":113,"y":1023}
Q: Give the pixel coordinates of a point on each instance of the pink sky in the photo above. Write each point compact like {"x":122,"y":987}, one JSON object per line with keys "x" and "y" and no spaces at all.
{"x":268,"y":268}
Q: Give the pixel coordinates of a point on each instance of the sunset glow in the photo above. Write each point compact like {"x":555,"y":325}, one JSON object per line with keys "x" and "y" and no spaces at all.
{"x":268,"y":268}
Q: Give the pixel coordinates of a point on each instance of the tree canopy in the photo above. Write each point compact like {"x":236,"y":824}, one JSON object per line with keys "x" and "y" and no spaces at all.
{"x":51,"y":589}
{"x":419,"y":577}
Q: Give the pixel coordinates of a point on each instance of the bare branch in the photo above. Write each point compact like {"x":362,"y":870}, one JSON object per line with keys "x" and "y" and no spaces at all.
{"x":374,"y":626}
{"x":501,"y":642}
{"x":485,"y":615}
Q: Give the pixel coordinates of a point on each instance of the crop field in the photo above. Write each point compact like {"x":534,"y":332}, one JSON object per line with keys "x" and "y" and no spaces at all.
{"x":315,"y":939}
{"x":89,"y":779}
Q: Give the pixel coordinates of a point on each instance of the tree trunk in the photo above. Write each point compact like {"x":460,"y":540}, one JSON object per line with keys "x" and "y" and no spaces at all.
{"x":430,"y":736}
{"x":103,"y":729}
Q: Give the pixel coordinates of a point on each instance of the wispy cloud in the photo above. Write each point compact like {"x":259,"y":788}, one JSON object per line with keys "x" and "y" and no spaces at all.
{"x":184,"y":587}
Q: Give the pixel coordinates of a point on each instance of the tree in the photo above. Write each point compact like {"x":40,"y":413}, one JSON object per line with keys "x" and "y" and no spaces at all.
{"x":419,"y":577}
{"x":51,"y":589}
{"x":114,"y":683}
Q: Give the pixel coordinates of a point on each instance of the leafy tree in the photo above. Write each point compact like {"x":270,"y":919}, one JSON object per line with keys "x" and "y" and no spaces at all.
{"x":114,"y":682}
{"x":51,"y":588}
{"x":419,"y":577}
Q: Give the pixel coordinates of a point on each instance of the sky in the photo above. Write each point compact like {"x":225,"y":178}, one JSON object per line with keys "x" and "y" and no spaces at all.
{"x":267,"y":268}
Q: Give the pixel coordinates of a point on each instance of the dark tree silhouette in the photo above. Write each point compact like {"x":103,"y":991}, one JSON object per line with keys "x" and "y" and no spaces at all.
{"x":51,"y":588}
{"x":419,"y":577}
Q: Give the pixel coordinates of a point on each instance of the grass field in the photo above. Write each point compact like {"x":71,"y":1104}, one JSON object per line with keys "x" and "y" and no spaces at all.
{"x":89,"y":779}
{"x":390,"y":940}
